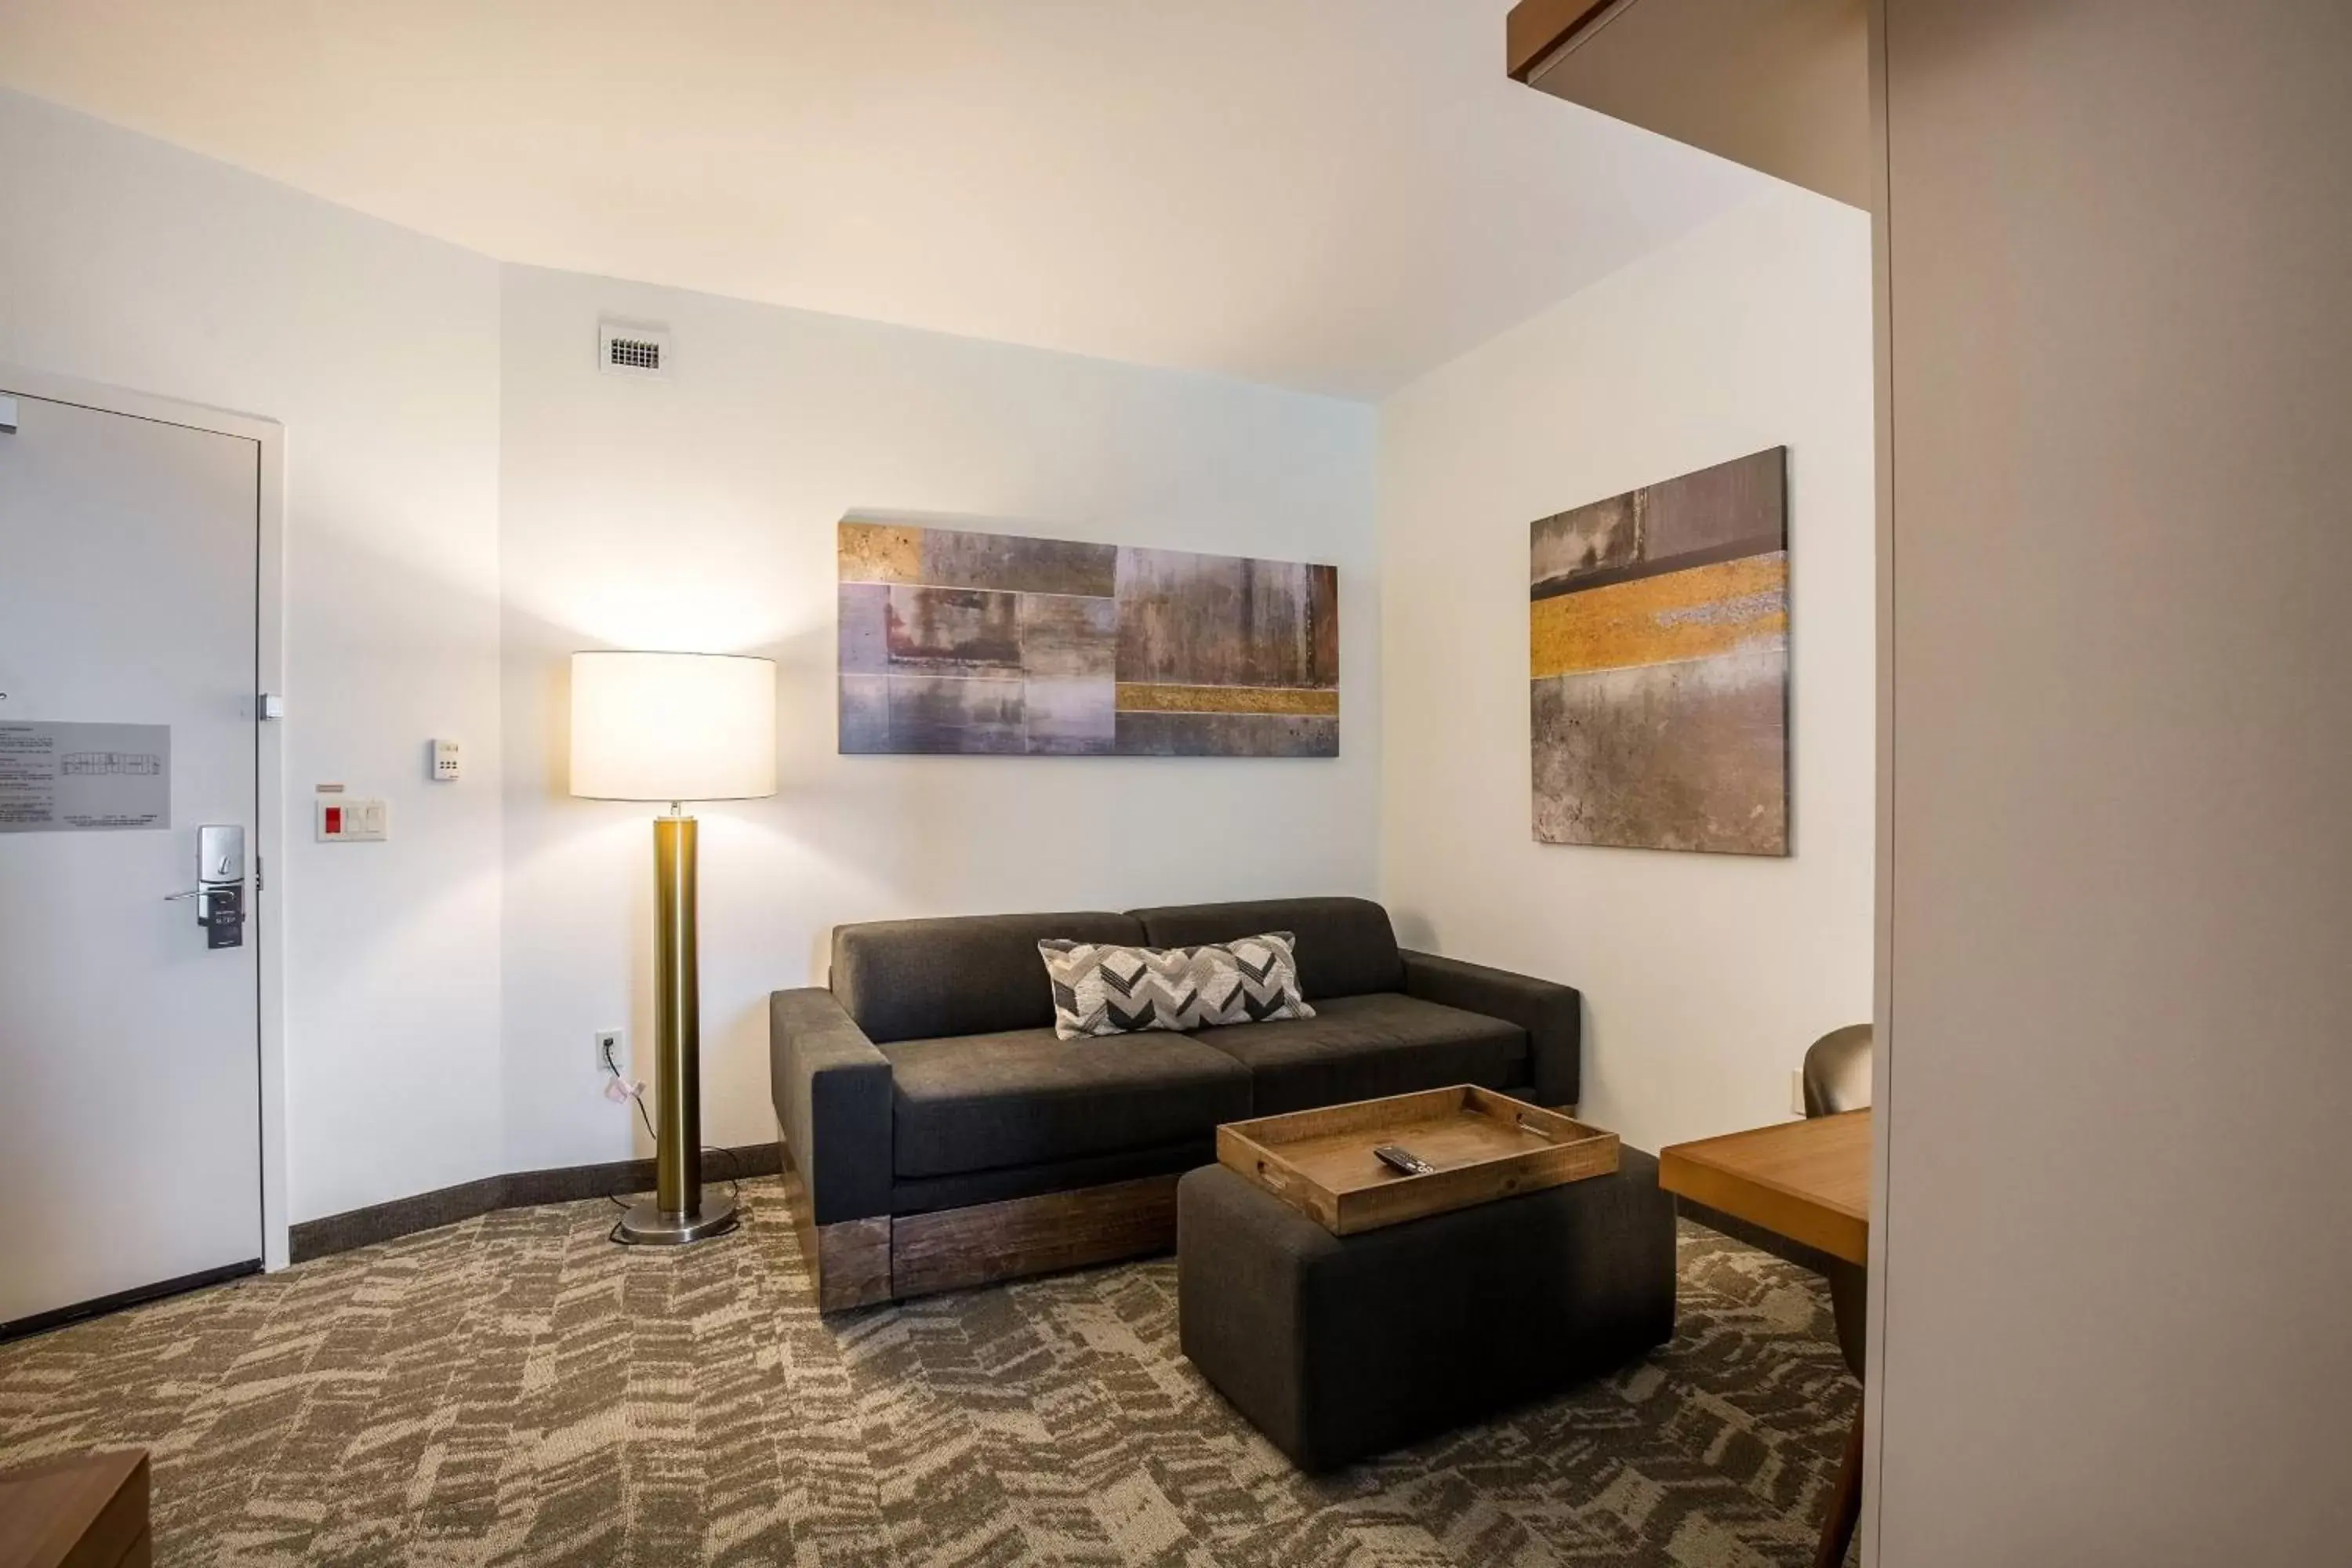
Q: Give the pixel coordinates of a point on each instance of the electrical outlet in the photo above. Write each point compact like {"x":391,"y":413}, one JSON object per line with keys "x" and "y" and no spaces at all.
{"x":611,"y":1051}
{"x":1796,"y":1092}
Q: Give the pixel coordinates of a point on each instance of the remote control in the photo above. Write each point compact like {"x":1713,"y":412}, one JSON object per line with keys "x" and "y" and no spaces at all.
{"x":1405,"y":1159}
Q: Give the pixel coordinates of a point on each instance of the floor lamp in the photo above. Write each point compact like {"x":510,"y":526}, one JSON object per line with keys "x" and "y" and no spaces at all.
{"x":674,"y":727}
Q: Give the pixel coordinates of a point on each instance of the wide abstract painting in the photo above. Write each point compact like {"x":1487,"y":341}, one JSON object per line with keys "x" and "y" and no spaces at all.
{"x":964,"y":642}
{"x":1658,"y":643}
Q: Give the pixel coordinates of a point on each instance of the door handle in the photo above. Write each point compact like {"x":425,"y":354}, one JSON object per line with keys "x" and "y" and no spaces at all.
{"x":220,"y":909}
{"x":219,"y":891}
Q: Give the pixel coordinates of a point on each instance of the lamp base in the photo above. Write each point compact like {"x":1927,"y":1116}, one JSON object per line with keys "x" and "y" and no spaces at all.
{"x":647,"y":1226}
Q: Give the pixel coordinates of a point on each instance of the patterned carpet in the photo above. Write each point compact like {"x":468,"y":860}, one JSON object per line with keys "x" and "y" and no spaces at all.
{"x":515,"y":1390}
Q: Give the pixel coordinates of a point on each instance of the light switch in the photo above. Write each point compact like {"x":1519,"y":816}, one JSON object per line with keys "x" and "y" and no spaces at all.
{"x":448,"y":761}
{"x":349,"y":821}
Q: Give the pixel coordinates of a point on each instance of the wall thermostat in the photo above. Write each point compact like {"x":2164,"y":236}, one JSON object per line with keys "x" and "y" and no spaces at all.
{"x":448,"y":761}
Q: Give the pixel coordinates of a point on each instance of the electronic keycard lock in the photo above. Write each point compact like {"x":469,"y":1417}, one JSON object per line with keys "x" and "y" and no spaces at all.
{"x":219,"y":892}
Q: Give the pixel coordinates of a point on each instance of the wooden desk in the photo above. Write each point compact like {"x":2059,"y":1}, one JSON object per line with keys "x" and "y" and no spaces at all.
{"x":1809,"y":1181}
{"x":84,"y":1512}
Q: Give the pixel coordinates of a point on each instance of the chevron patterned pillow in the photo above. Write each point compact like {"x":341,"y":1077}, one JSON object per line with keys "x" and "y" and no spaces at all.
{"x":1100,"y":989}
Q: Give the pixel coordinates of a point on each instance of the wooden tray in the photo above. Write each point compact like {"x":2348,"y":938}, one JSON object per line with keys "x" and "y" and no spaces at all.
{"x":1484,"y":1145}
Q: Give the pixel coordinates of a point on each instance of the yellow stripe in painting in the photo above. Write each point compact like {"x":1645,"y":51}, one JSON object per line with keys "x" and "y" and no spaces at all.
{"x":881,"y":553}
{"x":1659,"y":620}
{"x":1137,"y":698}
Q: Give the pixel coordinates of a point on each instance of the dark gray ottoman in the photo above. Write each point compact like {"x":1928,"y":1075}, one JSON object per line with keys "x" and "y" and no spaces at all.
{"x":1339,"y":1348}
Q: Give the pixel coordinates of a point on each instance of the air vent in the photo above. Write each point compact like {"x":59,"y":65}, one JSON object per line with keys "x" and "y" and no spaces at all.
{"x":633,"y":348}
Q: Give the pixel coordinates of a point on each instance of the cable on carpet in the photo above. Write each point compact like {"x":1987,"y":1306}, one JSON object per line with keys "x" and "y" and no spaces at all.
{"x":634,"y":1093}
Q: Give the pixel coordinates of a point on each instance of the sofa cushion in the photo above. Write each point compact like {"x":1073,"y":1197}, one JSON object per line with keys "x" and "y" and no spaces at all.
{"x":1360,"y":1048}
{"x":929,"y":1195}
{"x":916,"y":980}
{"x":1346,"y":946}
{"x":1101,"y":988}
{"x":978,"y":1102}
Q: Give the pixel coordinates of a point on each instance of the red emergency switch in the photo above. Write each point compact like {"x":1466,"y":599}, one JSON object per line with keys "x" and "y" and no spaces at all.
{"x":334,"y":819}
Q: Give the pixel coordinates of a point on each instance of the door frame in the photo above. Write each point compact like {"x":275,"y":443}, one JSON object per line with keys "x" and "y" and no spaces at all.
{"x":270,"y":744}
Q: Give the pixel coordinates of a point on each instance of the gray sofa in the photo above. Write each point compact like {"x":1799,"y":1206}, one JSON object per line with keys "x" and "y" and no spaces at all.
{"x":943,"y":1136}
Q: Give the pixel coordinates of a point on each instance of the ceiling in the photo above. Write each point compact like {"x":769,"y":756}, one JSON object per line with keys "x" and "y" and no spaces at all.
{"x":1329,"y":195}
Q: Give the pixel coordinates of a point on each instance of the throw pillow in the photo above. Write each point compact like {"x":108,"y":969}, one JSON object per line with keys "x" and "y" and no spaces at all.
{"x":1101,"y":989}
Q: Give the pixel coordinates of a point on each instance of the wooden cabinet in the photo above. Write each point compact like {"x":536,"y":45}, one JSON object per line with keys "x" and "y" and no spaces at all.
{"x":84,"y":1512}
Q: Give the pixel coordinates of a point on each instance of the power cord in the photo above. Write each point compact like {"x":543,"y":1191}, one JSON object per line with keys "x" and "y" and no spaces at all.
{"x":634,"y":1093}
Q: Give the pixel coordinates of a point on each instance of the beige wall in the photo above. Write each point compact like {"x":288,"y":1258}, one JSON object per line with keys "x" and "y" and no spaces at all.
{"x":2114,"y":1244}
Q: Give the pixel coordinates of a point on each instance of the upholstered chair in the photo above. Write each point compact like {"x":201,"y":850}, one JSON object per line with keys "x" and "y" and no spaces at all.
{"x":1837,"y":1078}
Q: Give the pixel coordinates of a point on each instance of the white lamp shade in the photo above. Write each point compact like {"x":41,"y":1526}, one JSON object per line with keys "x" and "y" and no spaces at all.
{"x":673,"y":726}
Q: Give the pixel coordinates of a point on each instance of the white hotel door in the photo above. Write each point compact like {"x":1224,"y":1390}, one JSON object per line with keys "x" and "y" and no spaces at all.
{"x":129,"y":1042}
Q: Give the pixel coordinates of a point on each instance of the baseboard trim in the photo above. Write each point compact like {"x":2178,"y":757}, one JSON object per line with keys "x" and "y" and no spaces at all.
{"x":1807,"y":1257}
{"x":570,"y":1184}
{"x":42,"y":1322}
{"x":521,"y":1189}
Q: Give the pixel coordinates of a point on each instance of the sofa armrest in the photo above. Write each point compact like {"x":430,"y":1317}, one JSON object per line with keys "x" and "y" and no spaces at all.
{"x":1551,"y":1014}
{"x":833,"y":1097}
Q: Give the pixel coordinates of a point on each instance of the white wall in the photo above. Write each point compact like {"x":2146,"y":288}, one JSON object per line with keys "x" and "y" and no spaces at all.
{"x":470,"y":501}
{"x":127,"y":261}
{"x":1704,"y":976}
{"x":697,"y":515}
{"x":700,"y":514}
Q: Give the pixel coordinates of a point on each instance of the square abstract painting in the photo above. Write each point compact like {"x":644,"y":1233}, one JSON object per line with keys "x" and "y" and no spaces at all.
{"x":1658,"y":648}
{"x":962,"y":642}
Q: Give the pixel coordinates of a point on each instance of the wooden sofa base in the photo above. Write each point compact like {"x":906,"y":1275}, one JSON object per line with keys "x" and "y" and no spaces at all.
{"x":953,"y":1248}
{"x":849,"y":1263}
{"x":863,"y":1262}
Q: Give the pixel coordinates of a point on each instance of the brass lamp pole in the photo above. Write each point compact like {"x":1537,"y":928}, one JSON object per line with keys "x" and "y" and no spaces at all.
{"x":674,"y":727}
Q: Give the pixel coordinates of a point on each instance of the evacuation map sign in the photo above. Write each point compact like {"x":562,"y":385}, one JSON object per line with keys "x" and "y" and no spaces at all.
{"x":84,"y":778}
